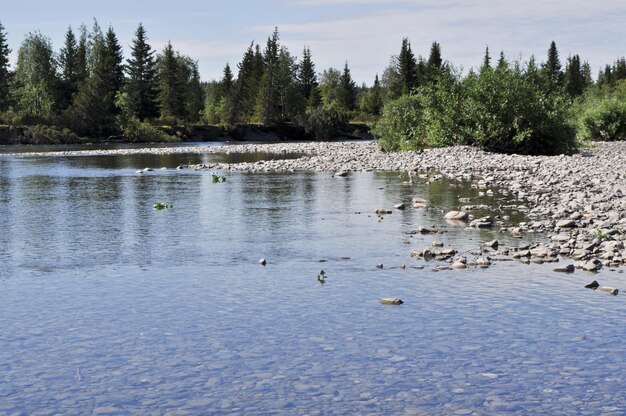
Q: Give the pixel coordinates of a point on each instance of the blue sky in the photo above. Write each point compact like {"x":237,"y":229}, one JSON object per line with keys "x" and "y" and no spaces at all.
{"x":364,"y":32}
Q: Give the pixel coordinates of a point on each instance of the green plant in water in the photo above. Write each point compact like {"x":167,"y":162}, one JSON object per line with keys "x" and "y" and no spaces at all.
{"x":160,"y":205}
{"x":321,"y":277}
{"x":217,"y":178}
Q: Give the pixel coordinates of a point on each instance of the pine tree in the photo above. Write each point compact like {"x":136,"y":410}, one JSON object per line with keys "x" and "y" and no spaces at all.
{"x":246,"y":86}
{"x":434,"y":63}
{"x":93,"y":110}
{"x":552,"y":67}
{"x":81,"y":55}
{"x":586,"y":71}
{"x":194,"y":92}
{"x":291,"y":101}
{"x":307,"y":80}
{"x":141,"y":85}
{"x":407,"y":67}
{"x":346,"y":96}
{"x":373,"y":99}
{"x":267,"y":100}
{"x":502,"y":62}
{"x":486,"y":60}
{"x":574,"y":78}
{"x":68,"y":63}
{"x":227,"y":82}
{"x":5,"y":80}
{"x":170,"y":85}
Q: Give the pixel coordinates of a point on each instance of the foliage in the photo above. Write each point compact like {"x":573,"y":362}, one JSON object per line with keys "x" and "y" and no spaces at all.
{"x":217,"y":178}
{"x":601,"y":114}
{"x":35,"y":78}
{"x":324,"y":123}
{"x":503,"y":109}
{"x":134,"y":129}
{"x":161,"y":205}
{"x":5,"y":76}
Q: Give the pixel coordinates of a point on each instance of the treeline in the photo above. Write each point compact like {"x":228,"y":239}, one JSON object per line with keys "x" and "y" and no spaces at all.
{"x":522,"y":107}
{"x":88,"y":88}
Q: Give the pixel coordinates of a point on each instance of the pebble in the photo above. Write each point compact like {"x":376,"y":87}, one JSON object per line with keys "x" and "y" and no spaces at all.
{"x":262,"y":262}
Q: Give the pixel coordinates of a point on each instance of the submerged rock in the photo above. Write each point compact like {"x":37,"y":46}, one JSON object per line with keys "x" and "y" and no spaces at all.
{"x":593,"y":285}
{"x":262,"y":262}
{"x":391,"y":301}
{"x":565,"y":269}
{"x":456,"y":216}
{"x":613,"y":291}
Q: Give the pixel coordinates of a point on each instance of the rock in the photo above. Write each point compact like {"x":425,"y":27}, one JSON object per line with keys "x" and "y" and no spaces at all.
{"x":262,"y":262}
{"x":593,"y":285}
{"x":382,"y":211}
{"x":456,"y":216}
{"x":613,"y":291}
{"x":379,"y":266}
{"x":400,"y":207}
{"x":340,"y":174}
{"x":437,"y":244}
{"x":419,"y":203}
{"x":459,"y":265}
{"x":391,"y":301}
{"x":565,"y":269}
{"x":592,"y":265}
{"x":147,"y":169}
{"x":484,"y":222}
{"x":483,"y":262}
{"x":492,"y":244}
{"x":425,"y":230}
{"x":566,"y":223}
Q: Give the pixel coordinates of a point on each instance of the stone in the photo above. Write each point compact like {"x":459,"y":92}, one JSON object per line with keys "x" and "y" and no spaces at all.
{"x":437,"y":244}
{"x":569,"y":223}
{"x":613,"y":291}
{"x":382,"y":211}
{"x":459,"y":265}
{"x":492,"y":244}
{"x":400,"y":207}
{"x":565,"y":269}
{"x":483,"y":222}
{"x":262,"y":262}
{"x":391,"y":301}
{"x":456,"y":216}
{"x":593,"y":285}
{"x":379,"y":266}
{"x":419,"y":203}
{"x":483,"y":262}
{"x":592,"y":265}
{"x":340,"y":174}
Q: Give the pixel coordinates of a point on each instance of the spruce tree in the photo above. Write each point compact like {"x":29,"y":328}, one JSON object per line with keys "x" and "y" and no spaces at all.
{"x":68,"y":67}
{"x":434,"y":63}
{"x":574,"y":78}
{"x":243,"y":98}
{"x":170,"y":85}
{"x":267,"y":101}
{"x":141,"y":85}
{"x":194,"y":91}
{"x":502,"y":62}
{"x":307,"y":80}
{"x":5,"y":80}
{"x":407,"y":66}
{"x":93,"y":110}
{"x":82,"y":70}
{"x":227,"y":81}
{"x":346,"y":96}
{"x":486,"y":60}
{"x":552,"y":67}
{"x":586,"y":71}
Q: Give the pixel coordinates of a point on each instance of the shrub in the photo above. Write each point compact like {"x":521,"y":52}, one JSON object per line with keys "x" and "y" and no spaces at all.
{"x":324,"y":123}
{"x":503,"y":109}
{"x":601,"y":114}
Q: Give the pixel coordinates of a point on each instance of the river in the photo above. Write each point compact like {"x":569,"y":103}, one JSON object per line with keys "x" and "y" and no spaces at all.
{"x":109,"y":306}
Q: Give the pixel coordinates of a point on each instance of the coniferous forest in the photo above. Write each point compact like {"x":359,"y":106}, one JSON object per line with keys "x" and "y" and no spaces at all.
{"x":88,"y":91}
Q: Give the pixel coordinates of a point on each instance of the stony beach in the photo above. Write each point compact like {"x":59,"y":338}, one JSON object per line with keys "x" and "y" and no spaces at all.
{"x":576,"y":204}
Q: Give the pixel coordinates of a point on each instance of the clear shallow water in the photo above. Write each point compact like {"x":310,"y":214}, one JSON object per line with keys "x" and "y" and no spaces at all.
{"x":108,"y":306}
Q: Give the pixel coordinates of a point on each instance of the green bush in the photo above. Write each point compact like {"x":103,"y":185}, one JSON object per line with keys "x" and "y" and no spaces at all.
{"x":601,"y":114}
{"x":503,"y":109}
{"x":324,"y":123}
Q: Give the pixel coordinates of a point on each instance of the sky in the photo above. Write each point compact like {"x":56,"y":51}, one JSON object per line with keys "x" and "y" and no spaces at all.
{"x":364,"y":33}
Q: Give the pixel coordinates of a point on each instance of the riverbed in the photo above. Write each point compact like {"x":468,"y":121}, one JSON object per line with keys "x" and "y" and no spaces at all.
{"x":109,"y":306}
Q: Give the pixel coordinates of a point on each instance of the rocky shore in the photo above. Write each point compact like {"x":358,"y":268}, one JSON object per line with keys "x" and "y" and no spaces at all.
{"x":577,"y":202}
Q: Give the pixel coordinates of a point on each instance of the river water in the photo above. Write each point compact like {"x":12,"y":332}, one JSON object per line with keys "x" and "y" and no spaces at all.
{"x":108,"y":306}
